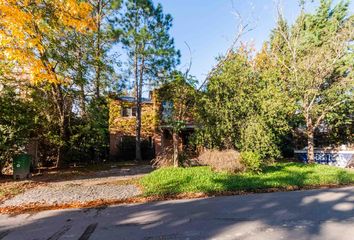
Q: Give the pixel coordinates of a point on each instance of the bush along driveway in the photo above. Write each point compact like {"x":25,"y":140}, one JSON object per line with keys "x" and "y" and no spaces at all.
{"x":278,"y":177}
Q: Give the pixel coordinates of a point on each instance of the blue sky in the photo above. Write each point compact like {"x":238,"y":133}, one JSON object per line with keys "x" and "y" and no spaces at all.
{"x":209,"y":26}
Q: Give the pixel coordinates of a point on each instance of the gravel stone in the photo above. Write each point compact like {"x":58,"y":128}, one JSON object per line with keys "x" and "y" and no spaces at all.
{"x":72,"y":193}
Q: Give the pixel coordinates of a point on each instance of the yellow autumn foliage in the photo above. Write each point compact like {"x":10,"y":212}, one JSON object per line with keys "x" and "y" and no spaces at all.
{"x":127,"y":125}
{"x":26,"y":26}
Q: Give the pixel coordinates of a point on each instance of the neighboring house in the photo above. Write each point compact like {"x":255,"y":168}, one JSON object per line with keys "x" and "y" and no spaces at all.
{"x":156,"y":133}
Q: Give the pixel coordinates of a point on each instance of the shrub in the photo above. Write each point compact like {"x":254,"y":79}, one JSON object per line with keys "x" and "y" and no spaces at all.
{"x":256,"y":136}
{"x":222,"y":161}
{"x":251,"y":160}
{"x":16,"y":124}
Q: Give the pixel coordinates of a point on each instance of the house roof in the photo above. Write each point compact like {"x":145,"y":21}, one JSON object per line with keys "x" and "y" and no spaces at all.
{"x":133,"y":99}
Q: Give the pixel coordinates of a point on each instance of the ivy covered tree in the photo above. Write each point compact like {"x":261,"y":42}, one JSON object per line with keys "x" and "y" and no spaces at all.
{"x":180,"y":91}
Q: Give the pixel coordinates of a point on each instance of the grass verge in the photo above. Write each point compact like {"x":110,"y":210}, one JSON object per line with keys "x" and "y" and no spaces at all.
{"x":282,"y":176}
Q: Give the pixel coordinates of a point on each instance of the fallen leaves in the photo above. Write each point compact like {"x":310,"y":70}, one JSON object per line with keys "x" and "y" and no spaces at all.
{"x":10,"y":189}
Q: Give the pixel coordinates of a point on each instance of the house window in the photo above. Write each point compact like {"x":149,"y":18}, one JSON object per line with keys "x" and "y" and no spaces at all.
{"x":167,"y":108}
{"x":134,"y":111}
{"x":126,"y":112}
{"x":129,"y":112}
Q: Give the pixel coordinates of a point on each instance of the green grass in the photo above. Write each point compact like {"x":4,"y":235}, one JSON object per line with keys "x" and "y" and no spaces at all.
{"x":171,"y":181}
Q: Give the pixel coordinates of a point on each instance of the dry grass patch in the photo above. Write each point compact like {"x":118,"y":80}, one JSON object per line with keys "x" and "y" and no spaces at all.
{"x":222,"y":161}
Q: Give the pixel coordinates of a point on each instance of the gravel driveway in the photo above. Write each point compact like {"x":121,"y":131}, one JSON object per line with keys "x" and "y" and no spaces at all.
{"x":103,"y":185}
{"x":74,"y":193}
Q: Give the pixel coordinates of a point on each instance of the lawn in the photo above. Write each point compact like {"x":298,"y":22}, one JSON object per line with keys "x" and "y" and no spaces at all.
{"x":172,"y":181}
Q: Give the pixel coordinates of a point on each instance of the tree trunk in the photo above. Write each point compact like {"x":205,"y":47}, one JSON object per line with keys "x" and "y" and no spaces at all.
{"x":310,"y":145}
{"x":175,"y":148}
{"x":98,"y":49}
{"x":138,"y":110}
{"x":1,"y":166}
{"x":82,"y":100}
{"x":138,"y":130}
{"x":63,"y":122}
{"x":64,"y":137}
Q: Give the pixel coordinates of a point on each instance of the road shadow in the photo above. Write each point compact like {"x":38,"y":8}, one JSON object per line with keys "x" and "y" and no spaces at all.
{"x":313,"y":214}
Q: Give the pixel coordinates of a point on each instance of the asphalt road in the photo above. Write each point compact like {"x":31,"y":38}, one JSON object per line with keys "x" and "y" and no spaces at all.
{"x":317,"y":214}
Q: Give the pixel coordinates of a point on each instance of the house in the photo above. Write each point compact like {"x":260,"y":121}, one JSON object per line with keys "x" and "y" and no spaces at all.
{"x":156,"y":131}
{"x":122,"y":117}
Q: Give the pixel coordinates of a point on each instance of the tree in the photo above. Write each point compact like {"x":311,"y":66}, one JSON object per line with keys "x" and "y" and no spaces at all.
{"x":27,"y":28}
{"x":32,"y":33}
{"x":17,"y":121}
{"x":221,"y":107}
{"x":89,"y":138}
{"x":91,"y":66}
{"x":180,"y":91}
{"x":243,"y":106}
{"x":101,"y":40}
{"x":319,"y":60}
{"x":143,"y":30}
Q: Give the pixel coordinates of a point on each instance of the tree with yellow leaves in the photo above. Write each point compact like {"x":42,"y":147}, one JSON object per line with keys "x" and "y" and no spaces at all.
{"x":31,"y":32}
{"x":28,"y":28}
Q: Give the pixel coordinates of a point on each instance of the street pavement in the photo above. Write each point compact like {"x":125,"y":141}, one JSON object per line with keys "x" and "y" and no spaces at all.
{"x":316,"y":214}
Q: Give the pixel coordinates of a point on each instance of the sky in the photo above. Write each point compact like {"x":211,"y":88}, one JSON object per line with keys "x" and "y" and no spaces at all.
{"x":209,"y":26}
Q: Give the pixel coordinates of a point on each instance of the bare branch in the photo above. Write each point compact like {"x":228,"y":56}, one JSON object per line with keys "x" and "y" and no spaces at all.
{"x":242,"y":30}
{"x":190,"y":59}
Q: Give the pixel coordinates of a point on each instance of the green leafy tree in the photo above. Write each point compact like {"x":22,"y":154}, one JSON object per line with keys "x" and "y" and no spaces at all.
{"x":17,"y":121}
{"x":89,"y":136}
{"x":243,"y":106}
{"x":341,"y":124}
{"x":101,"y":42}
{"x":90,"y":64}
{"x":319,"y":60}
{"x":144,"y":33}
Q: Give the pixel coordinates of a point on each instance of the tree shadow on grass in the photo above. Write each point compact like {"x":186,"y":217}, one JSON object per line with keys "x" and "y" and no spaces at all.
{"x":286,"y":179}
{"x":274,"y":178}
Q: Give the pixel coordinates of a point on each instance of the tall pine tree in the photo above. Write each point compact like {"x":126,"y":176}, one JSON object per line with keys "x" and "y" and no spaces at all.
{"x":144,"y":33}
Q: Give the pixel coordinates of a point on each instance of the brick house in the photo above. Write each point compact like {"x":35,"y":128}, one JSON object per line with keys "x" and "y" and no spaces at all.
{"x":155,"y":132}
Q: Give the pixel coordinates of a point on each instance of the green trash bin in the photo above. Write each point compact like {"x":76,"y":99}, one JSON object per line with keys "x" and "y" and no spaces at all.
{"x":21,"y":166}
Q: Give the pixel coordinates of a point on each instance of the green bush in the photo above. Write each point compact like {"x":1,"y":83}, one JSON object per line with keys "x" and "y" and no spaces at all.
{"x":251,"y":160}
{"x":16,"y":123}
{"x":89,"y":140}
{"x":257,"y":137}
